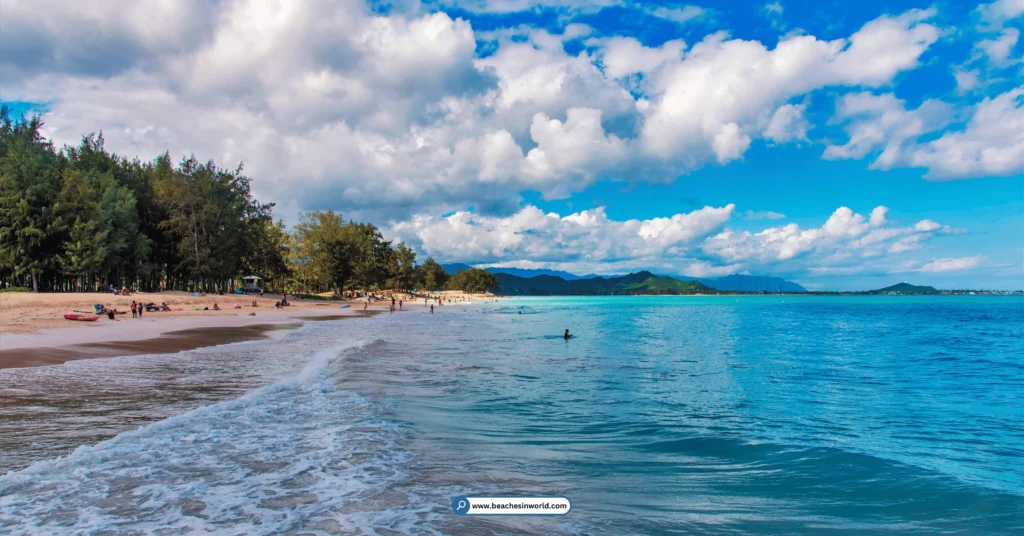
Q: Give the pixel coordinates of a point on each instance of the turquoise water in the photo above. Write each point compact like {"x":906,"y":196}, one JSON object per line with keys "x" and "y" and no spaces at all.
{"x":665,"y":415}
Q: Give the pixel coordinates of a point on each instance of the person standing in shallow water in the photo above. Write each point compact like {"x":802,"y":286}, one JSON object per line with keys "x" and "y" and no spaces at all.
{"x":567,"y":336}
{"x":431,"y":308}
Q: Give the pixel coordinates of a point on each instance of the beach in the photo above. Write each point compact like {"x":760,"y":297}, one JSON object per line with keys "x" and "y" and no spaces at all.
{"x":33,"y":330}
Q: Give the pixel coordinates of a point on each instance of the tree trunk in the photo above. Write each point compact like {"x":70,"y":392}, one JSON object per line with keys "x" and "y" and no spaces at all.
{"x":35,"y":284}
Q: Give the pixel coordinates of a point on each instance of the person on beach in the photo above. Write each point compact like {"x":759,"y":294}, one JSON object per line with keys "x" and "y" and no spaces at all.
{"x":216,"y":307}
{"x":135,"y":313}
{"x":431,"y":308}
{"x":141,"y":308}
{"x":399,"y":305}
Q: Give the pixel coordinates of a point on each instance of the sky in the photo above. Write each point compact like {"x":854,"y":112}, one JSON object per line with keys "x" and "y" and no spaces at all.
{"x":842,"y":145}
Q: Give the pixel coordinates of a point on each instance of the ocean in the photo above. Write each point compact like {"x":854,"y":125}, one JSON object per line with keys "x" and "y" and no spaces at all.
{"x":664,"y":415}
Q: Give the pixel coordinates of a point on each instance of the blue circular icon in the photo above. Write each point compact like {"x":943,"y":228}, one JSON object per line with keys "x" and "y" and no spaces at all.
{"x":460,"y":505}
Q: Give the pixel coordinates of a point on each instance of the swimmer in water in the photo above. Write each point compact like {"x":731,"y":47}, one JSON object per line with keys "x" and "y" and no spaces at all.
{"x":567,"y":336}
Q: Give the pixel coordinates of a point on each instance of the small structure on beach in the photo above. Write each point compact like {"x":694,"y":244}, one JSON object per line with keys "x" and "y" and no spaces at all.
{"x":252,"y":283}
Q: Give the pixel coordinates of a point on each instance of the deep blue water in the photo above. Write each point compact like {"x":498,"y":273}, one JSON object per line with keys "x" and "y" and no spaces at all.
{"x":717,"y":415}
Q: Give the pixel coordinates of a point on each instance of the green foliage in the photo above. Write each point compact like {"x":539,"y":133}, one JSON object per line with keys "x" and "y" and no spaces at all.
{"x":29,"y":184}
{"x":15,"y":289}
{"x":433,"y":276}
{"x":473,"y":280}
{"x":82,"y":217}
{"x":404,"y":273}
{"x":84,"y":251}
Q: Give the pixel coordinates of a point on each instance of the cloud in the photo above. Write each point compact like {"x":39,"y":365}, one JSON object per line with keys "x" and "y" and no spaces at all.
{"x":681,"y":15}
{"x":710,"y":105}
{"x":698,"y":243}
{"x":624,"y":56}
{"x":881,"y":123}
{"x":998,"y":49}
{"x":382,"y":114}
{"x":953,"y":264}
{"x":991,"y":143}
{"x":583,"y":239}
{"x":763,"y":215}
{"x":517,"y":6}
{"x":966,"y":79}
{"x":787,"y":124}
{"x":997,"y":13}
{"x":845,"y":238}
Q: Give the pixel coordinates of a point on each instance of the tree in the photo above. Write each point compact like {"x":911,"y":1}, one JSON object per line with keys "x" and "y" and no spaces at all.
{"x":29,"y":184}
{"x":266,"y":253}
{"x":473,"y":280}
{"x":324,"y":250}
{"x":207,"y":209}
{"x":84,"y":213}
{"x":84,"y":251}
{"x":370,"y":254}
{"x":403,"y":267}
{"x":434,"y":277}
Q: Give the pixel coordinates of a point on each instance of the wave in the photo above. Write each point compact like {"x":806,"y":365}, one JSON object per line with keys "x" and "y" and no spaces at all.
{"x":294,"y":454}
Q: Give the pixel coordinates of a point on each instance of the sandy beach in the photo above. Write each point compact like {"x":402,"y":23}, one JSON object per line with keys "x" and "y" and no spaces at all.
{"x":34,"y":332}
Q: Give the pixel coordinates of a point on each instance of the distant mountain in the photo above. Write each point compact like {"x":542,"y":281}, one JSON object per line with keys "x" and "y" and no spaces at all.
{"x":752,"y":283}
{"x":732,"y":283}
{"x":534,"y":272}
{"x":455,"y":267}
{"x":644,"y":283}
{"x":903,"y":288}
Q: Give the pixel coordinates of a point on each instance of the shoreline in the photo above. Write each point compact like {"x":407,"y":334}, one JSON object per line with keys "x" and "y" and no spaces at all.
{"x":34,"y":332}
{"x":165,"y":343}
{"x":172,"y":336}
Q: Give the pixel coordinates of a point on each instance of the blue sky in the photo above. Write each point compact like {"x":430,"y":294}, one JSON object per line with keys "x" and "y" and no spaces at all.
{"x":601,"y":137}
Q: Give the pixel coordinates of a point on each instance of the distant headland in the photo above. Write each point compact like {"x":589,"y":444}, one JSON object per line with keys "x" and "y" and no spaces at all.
{"x":541,"y":282}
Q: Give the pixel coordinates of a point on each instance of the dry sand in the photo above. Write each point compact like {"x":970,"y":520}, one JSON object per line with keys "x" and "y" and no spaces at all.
{"x":33,"y":330}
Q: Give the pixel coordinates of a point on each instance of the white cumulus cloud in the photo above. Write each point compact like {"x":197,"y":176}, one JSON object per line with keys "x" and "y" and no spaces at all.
{"x":992,"y":142}
{"x":951,"y":264}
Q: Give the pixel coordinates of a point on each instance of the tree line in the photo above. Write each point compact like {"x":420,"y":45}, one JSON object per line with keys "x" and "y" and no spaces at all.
{"x":82,"y":219}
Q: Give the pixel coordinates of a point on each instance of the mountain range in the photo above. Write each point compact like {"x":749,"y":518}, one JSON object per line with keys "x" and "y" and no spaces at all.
{"x":732,"y":283}
{"x":455,"y":268}
{"x":640,"y":283}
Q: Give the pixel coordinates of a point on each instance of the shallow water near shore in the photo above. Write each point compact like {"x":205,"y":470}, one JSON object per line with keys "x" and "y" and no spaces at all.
{"x":738,"y":415}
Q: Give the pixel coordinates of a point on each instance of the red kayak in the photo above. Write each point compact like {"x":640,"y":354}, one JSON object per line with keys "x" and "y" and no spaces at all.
{"x":81,"y":318}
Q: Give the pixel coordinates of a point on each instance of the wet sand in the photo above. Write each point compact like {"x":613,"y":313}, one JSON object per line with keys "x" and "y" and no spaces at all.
{"x":172,"y":342}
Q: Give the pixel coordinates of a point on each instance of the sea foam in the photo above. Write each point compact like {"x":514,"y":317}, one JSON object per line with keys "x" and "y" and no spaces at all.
{"x":294,"y":454}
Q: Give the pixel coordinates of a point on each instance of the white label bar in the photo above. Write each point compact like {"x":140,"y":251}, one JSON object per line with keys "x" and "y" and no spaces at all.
{"x":511,"y":506}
